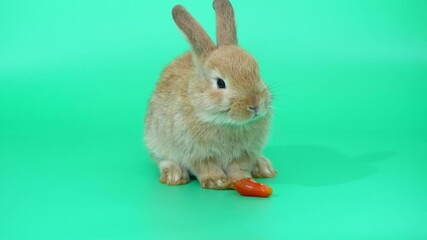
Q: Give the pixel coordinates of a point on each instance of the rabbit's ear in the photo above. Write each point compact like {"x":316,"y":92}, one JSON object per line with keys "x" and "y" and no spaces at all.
{"x":199,"y":40}
{"x":225,"y":23}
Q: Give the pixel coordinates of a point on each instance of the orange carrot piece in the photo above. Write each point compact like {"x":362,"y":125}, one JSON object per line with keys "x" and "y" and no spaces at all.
{"x":249,"y":187}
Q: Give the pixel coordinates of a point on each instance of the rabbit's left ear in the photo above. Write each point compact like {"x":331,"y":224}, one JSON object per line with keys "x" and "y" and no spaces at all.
{"x":225,"y":23}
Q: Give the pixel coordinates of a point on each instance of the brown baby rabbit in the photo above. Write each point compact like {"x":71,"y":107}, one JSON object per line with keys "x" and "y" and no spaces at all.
{"x":210,"y":113}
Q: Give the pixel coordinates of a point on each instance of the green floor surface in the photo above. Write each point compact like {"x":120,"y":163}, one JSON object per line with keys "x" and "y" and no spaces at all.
{"x":348,"y":137}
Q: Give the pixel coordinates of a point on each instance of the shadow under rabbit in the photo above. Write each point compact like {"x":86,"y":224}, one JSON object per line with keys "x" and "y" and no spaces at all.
{"x":311,"y":165}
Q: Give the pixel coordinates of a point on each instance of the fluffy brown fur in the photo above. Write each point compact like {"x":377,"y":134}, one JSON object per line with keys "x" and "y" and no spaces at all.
{"x":194,"y":126}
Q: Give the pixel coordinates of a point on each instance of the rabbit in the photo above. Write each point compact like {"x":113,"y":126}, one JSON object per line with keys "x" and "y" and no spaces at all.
{"x":209,"y":115}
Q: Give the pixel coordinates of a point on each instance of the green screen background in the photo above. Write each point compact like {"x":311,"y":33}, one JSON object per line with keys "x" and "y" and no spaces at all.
{"x":349,"y":134}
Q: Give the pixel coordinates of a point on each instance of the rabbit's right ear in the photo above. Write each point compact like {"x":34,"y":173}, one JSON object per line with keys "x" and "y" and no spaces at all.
{"x":200,"y":41}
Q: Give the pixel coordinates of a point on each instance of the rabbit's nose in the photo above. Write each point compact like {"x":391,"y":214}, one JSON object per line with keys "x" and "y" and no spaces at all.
{"x":252,"y":109}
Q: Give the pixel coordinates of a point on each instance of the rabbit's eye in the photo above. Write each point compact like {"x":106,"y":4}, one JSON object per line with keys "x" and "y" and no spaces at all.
{"x":220,"y":83}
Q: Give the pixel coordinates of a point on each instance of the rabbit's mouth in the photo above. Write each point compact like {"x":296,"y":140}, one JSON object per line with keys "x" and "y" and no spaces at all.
{"x":232,"y":116}
{"x":256,"y":116}
{"x":226,"y":111}
{"x":239,"y":118}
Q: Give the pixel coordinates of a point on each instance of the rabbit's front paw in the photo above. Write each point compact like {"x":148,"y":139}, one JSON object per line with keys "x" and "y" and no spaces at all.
{"x":215,"y":182}
{"x":263,"y":169}
{"x":172,"y":173}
